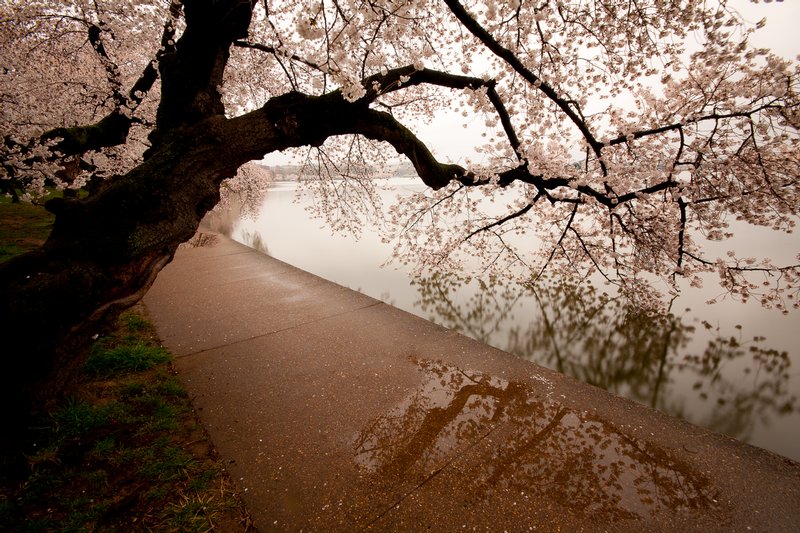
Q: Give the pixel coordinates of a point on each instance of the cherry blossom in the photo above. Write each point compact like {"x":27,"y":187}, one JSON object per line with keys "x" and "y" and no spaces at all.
{"x":621,"y":140}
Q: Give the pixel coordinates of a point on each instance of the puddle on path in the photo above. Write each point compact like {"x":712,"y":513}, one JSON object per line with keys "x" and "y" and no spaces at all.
{"x":501,"y":438}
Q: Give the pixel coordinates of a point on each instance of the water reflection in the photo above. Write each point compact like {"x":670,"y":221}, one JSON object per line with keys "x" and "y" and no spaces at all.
{"x":727,"y":384}
{"x":515,"y":439}
{"x":722,"y":379}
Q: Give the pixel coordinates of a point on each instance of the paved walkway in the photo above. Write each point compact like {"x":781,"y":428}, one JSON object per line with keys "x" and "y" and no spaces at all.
{"x":337,"y":412}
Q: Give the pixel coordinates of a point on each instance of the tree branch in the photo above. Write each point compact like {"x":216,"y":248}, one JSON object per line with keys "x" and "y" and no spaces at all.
{"x":501,"y":221}
{"x":295,"y":116}
{"x":680,"y":125}
{"x":410,"y":76}
{"x":277,"y":53}
{"x":113,"y":129}
{"x":112,"y":70}
{"x":558,"y":244}
{"x":509,"y":57}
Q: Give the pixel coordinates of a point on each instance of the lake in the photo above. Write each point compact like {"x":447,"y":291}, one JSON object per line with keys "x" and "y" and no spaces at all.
{"x":726,"y":366}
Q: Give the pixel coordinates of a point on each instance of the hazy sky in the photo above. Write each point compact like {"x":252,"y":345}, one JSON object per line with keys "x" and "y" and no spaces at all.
{"x":782,"y":32}
{"x":450,"y":140}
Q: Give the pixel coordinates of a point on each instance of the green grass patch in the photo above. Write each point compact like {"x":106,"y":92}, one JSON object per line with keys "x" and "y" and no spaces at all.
{"x":125,"y":454}
{"x":170,"y":386}
{"x":109,"y":362}
{"x":135,"y":322}
{"x":23,"y":227}
{"x":78,"y":417}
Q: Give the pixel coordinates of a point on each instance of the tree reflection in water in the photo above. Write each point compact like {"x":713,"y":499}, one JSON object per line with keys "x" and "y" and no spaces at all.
{"x":500,"y":436}
{"x":729,"y":386}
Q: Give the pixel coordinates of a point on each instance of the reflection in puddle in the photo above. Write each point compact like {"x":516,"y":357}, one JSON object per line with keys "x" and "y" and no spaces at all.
{"x":523,"y":443}
{"x":729,"y":381}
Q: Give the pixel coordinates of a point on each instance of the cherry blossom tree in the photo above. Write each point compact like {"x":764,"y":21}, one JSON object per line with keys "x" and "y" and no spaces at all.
{"x":619,"y":135}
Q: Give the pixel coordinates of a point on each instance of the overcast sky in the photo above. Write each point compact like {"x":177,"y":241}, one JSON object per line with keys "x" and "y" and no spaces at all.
{"x":782,"y":32}
{"x":449,"y":139}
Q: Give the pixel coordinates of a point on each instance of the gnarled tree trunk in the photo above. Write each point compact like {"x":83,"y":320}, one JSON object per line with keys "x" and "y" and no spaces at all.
{"x":105,"y":251}
{"x":102,"y":256}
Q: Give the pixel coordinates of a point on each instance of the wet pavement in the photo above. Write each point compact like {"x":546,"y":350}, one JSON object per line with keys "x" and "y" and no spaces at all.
{"x":336,"y":412}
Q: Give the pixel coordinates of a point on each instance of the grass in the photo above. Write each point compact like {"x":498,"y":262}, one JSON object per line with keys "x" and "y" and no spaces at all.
{"x":106,"y":362}
{"x":24,"y":227}
{"x":126,"y":452}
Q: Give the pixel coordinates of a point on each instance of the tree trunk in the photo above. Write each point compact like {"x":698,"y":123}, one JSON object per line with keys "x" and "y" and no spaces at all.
{"x":105,"y":251}
{"x":102,"y":256}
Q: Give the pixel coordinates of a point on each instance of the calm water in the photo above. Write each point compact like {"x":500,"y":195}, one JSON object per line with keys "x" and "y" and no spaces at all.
{"x":727,"y":366}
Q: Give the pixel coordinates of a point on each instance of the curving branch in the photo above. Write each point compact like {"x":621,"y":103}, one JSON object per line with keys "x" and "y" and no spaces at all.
{"x":294,"y":113}
{"x":469,"y":22}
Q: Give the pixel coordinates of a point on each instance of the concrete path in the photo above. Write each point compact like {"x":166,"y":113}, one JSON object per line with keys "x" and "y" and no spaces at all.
{"x":337,"y":412}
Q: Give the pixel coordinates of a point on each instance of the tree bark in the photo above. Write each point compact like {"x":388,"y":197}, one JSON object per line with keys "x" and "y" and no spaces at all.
{"x":102,"y":256}
{"x":105,"y":251}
